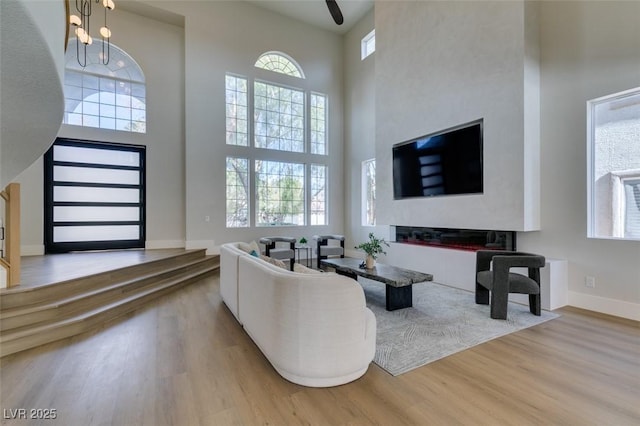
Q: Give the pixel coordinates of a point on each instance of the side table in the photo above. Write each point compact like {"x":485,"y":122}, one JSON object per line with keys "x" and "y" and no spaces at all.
{"x":307,"y":248}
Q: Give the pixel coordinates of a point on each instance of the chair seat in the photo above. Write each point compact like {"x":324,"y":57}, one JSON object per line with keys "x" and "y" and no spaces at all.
{"x":331,"y":251}
{"x":518,"y":283}
{"x":281,"y":253}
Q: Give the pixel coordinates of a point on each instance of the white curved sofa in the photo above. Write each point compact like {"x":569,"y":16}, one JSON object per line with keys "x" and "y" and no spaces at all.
{"x":315,"y":329}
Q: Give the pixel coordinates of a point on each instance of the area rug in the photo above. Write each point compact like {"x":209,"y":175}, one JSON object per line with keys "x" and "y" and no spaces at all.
{"x":443,"y":320}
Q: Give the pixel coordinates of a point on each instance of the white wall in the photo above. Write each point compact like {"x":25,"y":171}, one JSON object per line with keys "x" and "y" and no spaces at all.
{"x":442,"y":64}
{"x":158,"y":48}
{"x":360,"y":125}
{"x":585,"y":50}
{"x":186,"y":150}
{"x":226,"y":37}
{"x":588,"y":50}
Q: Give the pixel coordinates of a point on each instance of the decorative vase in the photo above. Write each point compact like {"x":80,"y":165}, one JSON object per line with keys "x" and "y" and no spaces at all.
{"x":370,"y":262}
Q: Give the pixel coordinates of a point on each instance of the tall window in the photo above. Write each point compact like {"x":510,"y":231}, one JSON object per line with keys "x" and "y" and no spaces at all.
{"x":280,"y":190}
{"x":237,"y":192}
{"x":369,"y":192}
{"x":283,"y":150}
{"x":236,"y":110}
{"x":318,"y":194}
{"x":614,"y":166}
{"x":318,"y":123}
{"x":107,"y":97}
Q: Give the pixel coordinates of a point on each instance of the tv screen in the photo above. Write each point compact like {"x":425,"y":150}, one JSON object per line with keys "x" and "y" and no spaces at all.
{"x":443,"y":163}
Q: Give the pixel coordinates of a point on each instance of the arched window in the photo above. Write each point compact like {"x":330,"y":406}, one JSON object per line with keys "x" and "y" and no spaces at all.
{"x":279,"y":62}
{"x":109,"y":96}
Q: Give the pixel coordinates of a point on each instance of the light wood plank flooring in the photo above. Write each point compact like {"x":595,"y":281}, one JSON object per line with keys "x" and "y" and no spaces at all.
{"x":184,"y":360}
{"x":52,"y":268}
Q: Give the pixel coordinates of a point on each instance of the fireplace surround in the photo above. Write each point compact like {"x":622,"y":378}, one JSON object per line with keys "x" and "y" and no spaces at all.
{"x":452,"y":238}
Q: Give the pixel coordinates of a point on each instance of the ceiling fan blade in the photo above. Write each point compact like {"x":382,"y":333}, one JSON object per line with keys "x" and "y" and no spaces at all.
{"x":336,"y":14}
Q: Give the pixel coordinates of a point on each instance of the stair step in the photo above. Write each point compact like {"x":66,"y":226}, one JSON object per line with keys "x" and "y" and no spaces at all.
{"x":14,"y":341}
{"x":15,"y":318}
{"x":31,"y":296}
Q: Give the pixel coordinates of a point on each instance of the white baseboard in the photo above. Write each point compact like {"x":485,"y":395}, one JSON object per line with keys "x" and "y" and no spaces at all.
{"x":618,"y":308}
{"x":164,"y":244}
{"x":33,"y":250}
{"x":210,"y":245}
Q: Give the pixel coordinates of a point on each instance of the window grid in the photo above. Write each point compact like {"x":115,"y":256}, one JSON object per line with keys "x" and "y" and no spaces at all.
{"x":237,"y":182}
{"x":280,"y":193}
{"x":369,"y":192}
{"x":104,"y":102}
{"x":318,"y":194}
{"x":236,"y":110}
{"x":318,"y":124}
{"x":277,"y":62}
{"x":279,"y":117}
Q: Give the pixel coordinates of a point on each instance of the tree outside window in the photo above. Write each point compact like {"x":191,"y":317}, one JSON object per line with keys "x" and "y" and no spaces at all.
{"x":369,"y":192}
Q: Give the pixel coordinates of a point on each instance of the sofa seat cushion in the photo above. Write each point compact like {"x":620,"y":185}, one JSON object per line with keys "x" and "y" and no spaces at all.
{"x":281,"y":253}
{"x":331,"y":251}
{"x":518,"y":283}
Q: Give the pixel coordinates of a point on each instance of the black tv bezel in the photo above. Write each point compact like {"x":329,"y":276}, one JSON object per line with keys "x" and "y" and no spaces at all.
{"x":479,"y":122}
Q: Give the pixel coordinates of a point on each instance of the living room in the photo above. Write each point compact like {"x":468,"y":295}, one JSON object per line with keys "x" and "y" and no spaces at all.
{"x":186,"y":166}
{"x":526,"y":68}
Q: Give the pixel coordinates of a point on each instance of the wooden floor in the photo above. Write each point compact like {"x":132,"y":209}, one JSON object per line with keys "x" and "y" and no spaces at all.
{"x":43,"y":270}
{"x":184,"y":360}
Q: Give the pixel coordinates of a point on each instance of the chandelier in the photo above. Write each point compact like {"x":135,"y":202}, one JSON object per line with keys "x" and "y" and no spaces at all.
{"x":82,"y":24}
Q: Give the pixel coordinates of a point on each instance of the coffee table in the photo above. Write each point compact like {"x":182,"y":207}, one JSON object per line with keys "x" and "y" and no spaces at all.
{"x":398,"y":281}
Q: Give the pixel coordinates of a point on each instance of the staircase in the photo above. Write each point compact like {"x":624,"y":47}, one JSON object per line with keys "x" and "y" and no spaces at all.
{"x":34,"y":316}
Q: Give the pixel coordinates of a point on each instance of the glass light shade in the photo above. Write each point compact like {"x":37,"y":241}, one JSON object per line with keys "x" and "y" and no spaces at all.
{"x":81,"y":33}
{"x":89,"y":41}
{"x":109,"y":4}
{"x":75,"y":20}
{"x":105,"y":32}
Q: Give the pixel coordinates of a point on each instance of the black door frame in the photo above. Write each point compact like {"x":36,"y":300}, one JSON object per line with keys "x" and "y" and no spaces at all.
{"x":63,"y":247}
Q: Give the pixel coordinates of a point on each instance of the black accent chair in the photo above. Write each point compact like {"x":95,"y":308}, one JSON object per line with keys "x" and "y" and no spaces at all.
{"x":280,"y":252}
{"x":500,"y":281}
{"x":324,"y":249}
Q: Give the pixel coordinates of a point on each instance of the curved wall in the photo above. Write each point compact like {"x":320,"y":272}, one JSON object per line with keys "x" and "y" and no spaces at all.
{"x":32,"y":71}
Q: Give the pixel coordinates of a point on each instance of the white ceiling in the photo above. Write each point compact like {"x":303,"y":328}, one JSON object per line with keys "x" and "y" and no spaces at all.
{"x":316,"y":13}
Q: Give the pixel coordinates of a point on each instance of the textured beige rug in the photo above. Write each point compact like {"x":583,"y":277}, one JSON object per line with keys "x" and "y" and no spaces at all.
{"x":442,"y":321}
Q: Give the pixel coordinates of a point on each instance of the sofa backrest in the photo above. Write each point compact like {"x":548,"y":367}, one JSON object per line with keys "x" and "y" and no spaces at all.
{"x":229,"y":254}
{"x":297,"y":319}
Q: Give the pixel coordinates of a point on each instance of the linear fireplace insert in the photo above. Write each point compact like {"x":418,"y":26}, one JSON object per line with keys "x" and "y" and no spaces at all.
{"x":460,"y":239}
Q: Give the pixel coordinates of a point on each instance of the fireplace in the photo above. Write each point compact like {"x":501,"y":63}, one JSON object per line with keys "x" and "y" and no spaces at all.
{"x":458,"y":239}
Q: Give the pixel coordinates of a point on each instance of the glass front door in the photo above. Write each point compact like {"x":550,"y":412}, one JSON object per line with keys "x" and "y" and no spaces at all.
{"x":94,"y":196}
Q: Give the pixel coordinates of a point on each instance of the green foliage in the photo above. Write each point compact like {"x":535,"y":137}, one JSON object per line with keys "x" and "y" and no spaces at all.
{"x":373,"y":247}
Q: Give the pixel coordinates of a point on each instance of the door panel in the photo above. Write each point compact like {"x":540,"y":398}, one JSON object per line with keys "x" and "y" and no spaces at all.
{"x":94,"y":196}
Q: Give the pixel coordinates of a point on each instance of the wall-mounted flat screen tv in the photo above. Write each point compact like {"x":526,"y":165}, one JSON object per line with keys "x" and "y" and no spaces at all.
{"x":442,"y":163}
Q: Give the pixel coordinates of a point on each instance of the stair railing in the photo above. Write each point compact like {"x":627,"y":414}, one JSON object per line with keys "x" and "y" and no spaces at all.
{"x":11,"y":233}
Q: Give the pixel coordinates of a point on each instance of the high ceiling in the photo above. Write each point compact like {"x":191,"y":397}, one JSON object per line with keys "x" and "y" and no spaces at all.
{"x":315,"y":12}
